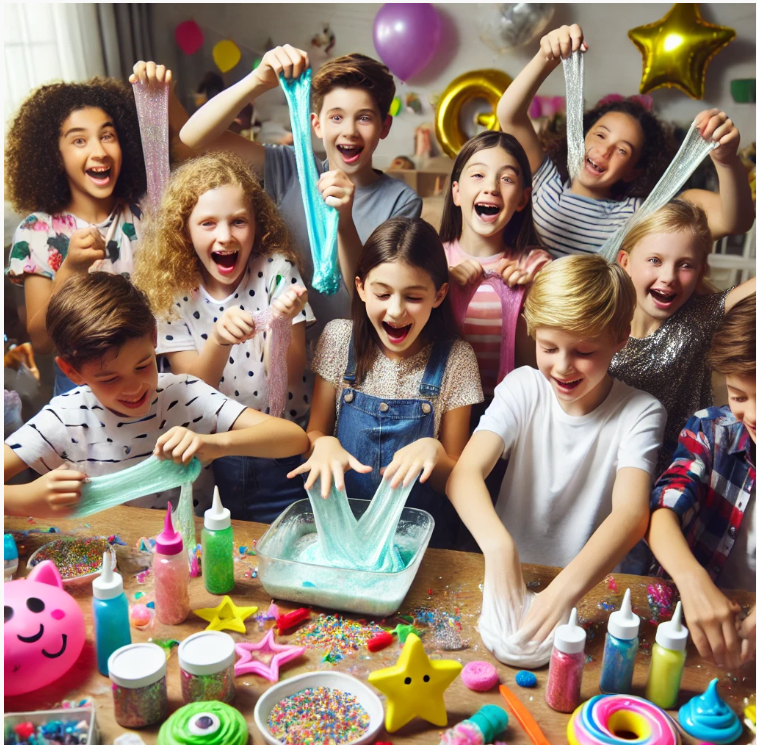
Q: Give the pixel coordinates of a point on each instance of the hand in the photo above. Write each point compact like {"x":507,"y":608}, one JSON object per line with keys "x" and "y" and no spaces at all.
{"x":512,"y":274}
{"x":337,"y":191}
{"x":56,"y":493}
{"x":562,"y":42}
{"x":329,"y":459}
{"x":148,"y":73}
{"x":716,"y":126}
{"x":288,"y":60}
{"x":418,"y":457}
{"x":466,"y":273}
{"x":747,"y":634}
{"x":85,"y":247}
{"x":290,"y":303}
{"x":550,"y":608}
{"x":180,"y":445}
{"x":235,"y":326}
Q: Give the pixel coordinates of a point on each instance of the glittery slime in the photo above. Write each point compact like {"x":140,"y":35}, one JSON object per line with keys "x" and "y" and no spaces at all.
{"x":75,"y":557}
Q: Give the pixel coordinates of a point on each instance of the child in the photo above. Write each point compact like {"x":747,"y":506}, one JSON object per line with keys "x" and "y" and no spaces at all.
{"x":626,"y":153}
{"x":351,"y":99}
{"x":216,"y":253}
{"x":394,"y":386}
{"x":123,"y":411}
{"x":703,"y":520}
{"x":582,"y":448}
{"x":666,"y":258}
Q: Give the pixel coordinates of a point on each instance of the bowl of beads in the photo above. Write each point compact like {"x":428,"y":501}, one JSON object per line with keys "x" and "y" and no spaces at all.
{"x":79,"y":560}
{"x":320,"y":707}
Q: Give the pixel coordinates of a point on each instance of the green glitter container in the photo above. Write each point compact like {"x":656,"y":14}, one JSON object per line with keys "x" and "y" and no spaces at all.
{"x":138,"y":675}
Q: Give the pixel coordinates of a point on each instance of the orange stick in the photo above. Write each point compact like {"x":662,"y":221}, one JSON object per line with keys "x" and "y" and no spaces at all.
{"x":523,"y":715}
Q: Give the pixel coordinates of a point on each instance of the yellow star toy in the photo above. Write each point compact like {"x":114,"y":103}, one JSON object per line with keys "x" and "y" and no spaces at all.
{"x":415,"y":686}
{"x":677,"y":49}
{"x":226,"y":616}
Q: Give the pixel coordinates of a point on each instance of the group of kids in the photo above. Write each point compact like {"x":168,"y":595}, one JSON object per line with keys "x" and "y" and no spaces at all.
{"x":607,"y":416}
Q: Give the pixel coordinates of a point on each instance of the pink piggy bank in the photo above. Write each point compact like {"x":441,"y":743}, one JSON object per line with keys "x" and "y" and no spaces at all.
{"x":44,"y":630}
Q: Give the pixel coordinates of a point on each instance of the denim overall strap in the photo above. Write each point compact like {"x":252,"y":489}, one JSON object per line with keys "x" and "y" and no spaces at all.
{"x":349,"y":373}
{"x":431,"y":384}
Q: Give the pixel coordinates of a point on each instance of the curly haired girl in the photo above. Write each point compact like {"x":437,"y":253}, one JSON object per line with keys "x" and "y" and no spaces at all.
{"x":215,"y":253}
{"x":626,"y":152}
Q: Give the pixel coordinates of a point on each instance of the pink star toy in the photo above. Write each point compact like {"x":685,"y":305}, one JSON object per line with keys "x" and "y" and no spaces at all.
{"x":270,"y":657}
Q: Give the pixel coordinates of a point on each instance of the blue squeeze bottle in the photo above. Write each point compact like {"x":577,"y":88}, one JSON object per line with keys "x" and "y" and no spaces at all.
{"x":110,"y":612}
{"x":621,"y":646}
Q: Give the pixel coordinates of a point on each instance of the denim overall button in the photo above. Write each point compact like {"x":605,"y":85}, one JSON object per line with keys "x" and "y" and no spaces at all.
{"x":348,"y":397}
{"x":383,"y":406}
{"x":426,"y":408}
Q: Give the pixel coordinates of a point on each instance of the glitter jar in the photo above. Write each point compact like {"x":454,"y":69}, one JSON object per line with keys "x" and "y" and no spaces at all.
{"x":206,"y":660}
{"x":138,"y":674}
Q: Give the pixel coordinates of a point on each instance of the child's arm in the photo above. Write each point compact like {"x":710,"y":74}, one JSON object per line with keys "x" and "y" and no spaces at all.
{"x":731,"y":210}
{"x":512,"y":109}
{"x":739,"y":293}
{"x":53,"y":495}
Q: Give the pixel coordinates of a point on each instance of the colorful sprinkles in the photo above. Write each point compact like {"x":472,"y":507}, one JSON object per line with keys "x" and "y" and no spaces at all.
{"x":318,"y":716}
{"x":662,"y":601}
{"x":74,"y":557}
{"x":335,"y":636}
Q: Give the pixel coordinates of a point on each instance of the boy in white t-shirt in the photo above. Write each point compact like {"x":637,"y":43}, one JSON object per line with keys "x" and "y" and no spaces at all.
{"x":582,"y":448}
{"x":123,"y":411}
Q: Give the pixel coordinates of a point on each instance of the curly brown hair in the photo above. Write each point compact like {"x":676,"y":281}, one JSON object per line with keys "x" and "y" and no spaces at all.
{"x":167,"y":265}
{"x":35,"y":179}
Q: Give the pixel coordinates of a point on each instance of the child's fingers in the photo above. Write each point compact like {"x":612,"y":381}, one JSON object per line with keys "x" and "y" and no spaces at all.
{"x":67,"y":499}
{"x":325,"y":480}
{"x":412,"y":472}
{"x":428,"y":468}
{"x":399,"y":475}
{"x":65,"y":487}
{"x":699,"y":638}
{"x":356,"y":465}
{"x":338,"y":472}
{"x":576,"y":37}
{"x":722,"y":131}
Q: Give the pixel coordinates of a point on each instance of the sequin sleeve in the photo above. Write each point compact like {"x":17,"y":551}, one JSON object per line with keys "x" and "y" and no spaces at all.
{"x":462,"y":383}
{"x":705,"y":313}
{"x":330,"y":359}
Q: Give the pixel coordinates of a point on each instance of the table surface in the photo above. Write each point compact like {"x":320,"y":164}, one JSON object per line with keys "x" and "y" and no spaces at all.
{"x":446,"y":581}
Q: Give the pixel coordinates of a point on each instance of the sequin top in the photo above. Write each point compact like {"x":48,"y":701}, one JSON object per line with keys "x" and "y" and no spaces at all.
{"x":671,"y":364}
{"x":461,"y":385}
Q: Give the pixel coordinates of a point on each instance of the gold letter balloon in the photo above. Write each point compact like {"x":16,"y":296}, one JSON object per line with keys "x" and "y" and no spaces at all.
{"x":677,"y":49}
{"x":486,"y":84}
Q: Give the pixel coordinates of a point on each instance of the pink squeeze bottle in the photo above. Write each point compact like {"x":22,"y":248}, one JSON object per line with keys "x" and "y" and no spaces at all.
{"x":170,"y":567}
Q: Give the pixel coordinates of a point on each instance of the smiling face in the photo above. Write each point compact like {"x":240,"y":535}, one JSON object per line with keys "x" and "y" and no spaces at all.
{"x":398,"y":300}
{"x":91,"y":154}
{"x":576,"y":366}
{"x":222,"y":231}
{"x":743,"y":400}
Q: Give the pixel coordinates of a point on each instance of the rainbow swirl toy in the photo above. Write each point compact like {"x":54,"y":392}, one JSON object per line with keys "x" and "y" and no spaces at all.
{"x":607,"y":720}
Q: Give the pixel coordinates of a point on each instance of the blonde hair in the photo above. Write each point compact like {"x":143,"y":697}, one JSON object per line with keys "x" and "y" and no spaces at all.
{"x":167,"y":265}
{"x":583,"y":295}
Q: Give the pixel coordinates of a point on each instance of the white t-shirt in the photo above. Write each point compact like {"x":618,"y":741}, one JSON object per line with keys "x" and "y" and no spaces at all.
{"x":558,"y":486}
{"x":739,"y":568}
{"x":76,"y":430}
{"x":244,"y":376}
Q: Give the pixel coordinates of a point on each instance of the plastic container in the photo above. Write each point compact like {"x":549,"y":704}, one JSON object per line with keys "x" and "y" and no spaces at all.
{"x":217,"y":539}
{"x":80,"y":580}
{"x":352,"y":590}
{"x":138,"y":675}
{"x":110,"y":614}
{"x":170,"y":568}
{"x":10,"y":557}
{"x":206,"y":660}
{"x":566,"y":666}
{"x":621,"y":646}
{"x":65,"y":717}
{"x":668,"y":659}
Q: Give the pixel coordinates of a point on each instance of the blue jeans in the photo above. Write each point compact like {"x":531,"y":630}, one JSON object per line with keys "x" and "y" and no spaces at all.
{"x":257,"y":489}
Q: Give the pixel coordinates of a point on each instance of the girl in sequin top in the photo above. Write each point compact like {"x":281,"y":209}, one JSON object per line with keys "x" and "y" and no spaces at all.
{"x":394,"y":385}
{"x":676,"y":314}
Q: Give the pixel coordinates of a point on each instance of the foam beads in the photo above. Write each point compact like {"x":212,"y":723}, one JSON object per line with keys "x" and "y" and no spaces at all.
{"x":480,"y":676}
{"x":205,"y":723}
{"x":596,"y":722}
{"x":525,"y":679}
{"x":708,"y":717}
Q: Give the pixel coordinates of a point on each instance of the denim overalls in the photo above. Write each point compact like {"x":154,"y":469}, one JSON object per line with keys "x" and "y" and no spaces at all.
{"x":373,"y":429}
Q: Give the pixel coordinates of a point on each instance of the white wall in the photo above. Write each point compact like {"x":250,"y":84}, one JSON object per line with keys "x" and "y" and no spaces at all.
{"x":613,"y":64}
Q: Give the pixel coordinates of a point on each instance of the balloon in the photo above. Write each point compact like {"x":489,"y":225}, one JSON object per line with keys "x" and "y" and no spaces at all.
{"x":486,"y":84}
{"x":503,"y":26}
{"x":406,"y":36}
{"x":396,"y":106}
{"x":226,"y":55}
{"x":677,"y":49}
{"x":189,"y":37}
{"x":43,"y":632}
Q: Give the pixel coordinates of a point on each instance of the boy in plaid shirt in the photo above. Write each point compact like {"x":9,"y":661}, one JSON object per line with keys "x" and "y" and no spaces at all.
{"x":706,"y":536}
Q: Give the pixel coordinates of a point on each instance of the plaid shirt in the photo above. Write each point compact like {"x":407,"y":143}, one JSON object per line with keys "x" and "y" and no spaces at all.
{"x":709,"y":484}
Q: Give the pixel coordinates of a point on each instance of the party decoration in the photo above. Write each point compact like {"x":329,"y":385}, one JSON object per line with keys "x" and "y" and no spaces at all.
{"x":406,"y":36}
{"x":486,"y":84}
{"x":547,"y":106}
{"x":226,"y":616}
{"x":43,"y":631}
{"x":415,"y":686}
{"x":742,"y":91}
{"x":413,"y":102}
{"x":252,"y":656}
{"x":503,"y":26}
{"x":677,"y":49}
{"x":226,"y":55}
{"x":189,"y":37}
{"x":396,"y":106}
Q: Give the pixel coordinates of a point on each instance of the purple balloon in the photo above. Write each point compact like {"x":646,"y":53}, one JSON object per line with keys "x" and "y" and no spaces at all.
{"x":406,"y":36}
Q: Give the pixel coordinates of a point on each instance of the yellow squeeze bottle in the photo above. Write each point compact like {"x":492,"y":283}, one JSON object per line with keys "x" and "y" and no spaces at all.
{"x":668,"y":658}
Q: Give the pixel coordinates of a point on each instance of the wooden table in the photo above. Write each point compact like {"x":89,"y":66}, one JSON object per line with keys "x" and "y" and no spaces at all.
{"x":446,"y":580}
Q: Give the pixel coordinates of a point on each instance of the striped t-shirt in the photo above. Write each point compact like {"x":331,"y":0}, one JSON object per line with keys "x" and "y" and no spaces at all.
{"x":568,"y":223}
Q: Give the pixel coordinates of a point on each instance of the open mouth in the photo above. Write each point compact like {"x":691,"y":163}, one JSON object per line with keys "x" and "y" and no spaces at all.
{"x":350,"y":153}
{"x":396,"y":334}
{"x":225,"y":260}
{"x":594,"y":168}
{"x":661,"y":299}
{"x":487,"y":211}
{"x":134,"y":404}
{"x":100,"y":175}
{"x":566,"y":386}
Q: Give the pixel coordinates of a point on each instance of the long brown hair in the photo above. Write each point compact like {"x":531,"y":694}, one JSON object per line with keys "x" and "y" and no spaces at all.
{"x":416,"y":243}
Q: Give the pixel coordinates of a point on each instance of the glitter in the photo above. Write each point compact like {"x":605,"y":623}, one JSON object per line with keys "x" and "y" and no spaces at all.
{"x":215,"y":687}
{"x":138,"y":595}
{"x":138,"y":675}
{"x":612,"y":585}
{"x":662,"y":601}
{"x":604,"y":605}
{"x":316,"y":716}
{"x":335,"y":635}
{"x":74,"y":557}
{"x":152,"y":112}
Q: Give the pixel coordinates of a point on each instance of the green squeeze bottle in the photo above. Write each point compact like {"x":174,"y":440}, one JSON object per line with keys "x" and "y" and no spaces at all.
{"x":668,"y":658}
{"x":218,"y":549}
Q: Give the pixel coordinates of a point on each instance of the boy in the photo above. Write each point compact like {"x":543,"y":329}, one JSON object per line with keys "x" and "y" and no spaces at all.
{"x":351,"y":99}
{"x":123,"y":411}
{"x":703,"y":521}
{"x":582,"y":448}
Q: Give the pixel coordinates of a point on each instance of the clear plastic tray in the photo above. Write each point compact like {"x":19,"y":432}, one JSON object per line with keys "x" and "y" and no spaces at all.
{"x":356,"y":591}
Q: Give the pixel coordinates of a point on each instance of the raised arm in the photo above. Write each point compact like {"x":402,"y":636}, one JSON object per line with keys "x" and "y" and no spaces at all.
{"x":739,"y":293}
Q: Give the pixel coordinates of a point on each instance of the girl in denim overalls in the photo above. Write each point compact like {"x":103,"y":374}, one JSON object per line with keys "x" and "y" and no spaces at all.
{"x":395,"y":385}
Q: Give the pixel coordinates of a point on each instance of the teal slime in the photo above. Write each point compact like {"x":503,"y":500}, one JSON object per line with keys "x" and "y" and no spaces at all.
{"x":708,"y":717}
{"x":110,"y":614}
{"x":218,"y":549}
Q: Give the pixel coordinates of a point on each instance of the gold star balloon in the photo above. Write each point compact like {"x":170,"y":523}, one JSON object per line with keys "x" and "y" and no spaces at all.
{"x":677,"y":49}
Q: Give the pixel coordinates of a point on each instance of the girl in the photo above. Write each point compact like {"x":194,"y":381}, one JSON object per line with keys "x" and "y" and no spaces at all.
{"x":217,"y":252}
{"x":626,"y":152}
{"x":394,"y":385}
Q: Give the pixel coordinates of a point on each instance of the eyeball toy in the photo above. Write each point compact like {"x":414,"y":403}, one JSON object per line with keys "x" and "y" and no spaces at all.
{"x":44,"y":630}
{"x":205,"y":723}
